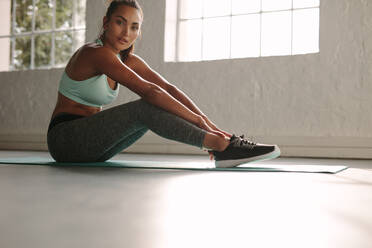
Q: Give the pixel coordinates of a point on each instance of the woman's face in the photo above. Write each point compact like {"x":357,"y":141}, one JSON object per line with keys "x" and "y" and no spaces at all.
{"x":123,"y":28}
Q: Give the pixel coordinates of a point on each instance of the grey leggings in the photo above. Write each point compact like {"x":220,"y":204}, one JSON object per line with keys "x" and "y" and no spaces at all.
{"x":99,"y":137}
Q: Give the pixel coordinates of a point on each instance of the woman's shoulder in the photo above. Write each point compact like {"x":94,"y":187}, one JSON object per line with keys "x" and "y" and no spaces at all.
{"x":135,"y":60}
{"x":92,"y":48}
{"x":85,"y":57}
{"x":90,"y":54}
{"x":134,"y":57}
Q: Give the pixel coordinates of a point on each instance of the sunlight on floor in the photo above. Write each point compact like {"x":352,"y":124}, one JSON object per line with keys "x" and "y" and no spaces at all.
{"x":210,"y":211}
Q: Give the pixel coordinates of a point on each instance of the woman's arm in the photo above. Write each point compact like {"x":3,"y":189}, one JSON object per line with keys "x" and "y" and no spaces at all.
{"x":105,"y":61}
{"x":182,"y":97}
{"x":146,"y":72}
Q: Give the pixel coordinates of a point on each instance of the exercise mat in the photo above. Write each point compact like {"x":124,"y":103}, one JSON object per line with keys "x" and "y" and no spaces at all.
{"x":178,"y":165}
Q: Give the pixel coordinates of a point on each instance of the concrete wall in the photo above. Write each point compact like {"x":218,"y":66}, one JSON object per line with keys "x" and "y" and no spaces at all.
{"x":311,"y":105}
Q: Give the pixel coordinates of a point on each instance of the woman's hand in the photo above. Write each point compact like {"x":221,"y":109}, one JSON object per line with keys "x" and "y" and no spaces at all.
{"x":214,"y":127}
{"x":204,"y":125}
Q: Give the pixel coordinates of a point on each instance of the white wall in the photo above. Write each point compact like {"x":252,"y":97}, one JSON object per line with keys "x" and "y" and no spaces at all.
{"x":311,"y":105}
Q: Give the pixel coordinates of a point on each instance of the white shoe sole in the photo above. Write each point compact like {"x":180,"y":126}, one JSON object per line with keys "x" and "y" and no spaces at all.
{"x":236,"y":162}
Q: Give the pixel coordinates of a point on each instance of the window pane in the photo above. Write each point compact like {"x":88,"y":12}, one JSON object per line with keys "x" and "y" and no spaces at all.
{"x":305,"y":3}
{"x":63,"y":47}
{"x":189,"y":42}
{"x":5,"y":18}
{"x":191,"y":9}
{"x":43,"y":14}
{"x":170,"y":31}
{"x":79,"y":39}
{"x":23,"y":16}
{"x":22,"y":53}
{"x":5,"y":52}
{"x":43,"y":44}
{"x":305,"y":31}
{"x":276,"y":33}
{"x":245,"y":36}
{"x":217,"y":7}
{"x":80,"y":13}
{"x":269,"y":5}
{"x":64,"y":13}
{"x":244,"y":6}
{"x":216,"y":38}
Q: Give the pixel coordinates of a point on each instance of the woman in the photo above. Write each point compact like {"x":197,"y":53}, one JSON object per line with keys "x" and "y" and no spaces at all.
{"x":79,"y":131}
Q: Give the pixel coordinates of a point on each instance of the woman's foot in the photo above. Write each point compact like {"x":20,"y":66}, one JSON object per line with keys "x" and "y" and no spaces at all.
{"x":241,"y":151}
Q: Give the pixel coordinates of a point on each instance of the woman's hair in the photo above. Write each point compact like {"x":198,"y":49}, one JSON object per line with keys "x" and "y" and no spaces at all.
{"x":111,"y":9}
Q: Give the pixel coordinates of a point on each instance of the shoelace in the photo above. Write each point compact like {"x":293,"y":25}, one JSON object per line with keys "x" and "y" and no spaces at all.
{"x":245,"y":142}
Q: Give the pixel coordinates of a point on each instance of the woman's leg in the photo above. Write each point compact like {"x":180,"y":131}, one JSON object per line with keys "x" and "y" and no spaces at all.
{"x":121,"y":145}
{"x":102,"y":135}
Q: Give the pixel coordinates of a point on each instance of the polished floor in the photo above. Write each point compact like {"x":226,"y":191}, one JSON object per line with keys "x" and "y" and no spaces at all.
{"x":44,"y":207}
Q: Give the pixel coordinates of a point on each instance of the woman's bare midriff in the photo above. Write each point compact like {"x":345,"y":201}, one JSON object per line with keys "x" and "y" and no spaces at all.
{"x":66,"y":105}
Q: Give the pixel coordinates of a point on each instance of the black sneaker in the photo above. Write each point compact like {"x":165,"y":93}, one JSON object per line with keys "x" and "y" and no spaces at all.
{"x":241,"y":151}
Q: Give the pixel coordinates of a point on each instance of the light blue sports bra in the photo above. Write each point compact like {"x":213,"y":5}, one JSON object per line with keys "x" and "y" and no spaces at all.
{"x":94,"y":91}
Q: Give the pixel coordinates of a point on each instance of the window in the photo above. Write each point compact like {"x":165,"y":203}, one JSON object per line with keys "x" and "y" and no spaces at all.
{"x":39,"y":34}
{"x":198,"y":30}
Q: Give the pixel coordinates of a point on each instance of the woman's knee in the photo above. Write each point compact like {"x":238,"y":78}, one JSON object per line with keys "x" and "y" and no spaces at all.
{"x":142,"y":104}
{"x":148,"y":110}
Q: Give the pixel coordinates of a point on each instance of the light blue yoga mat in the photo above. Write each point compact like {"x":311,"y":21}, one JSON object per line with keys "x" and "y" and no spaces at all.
{"x":201,"y":166}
